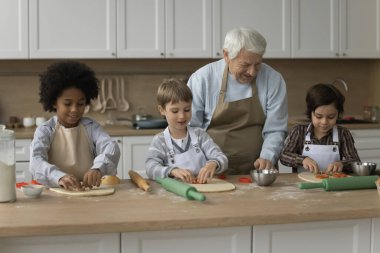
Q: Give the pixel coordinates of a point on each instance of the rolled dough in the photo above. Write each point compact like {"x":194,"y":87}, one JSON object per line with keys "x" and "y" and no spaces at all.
{"x":216,"y":185}
{"x":86,"y":193}
{"x":310,"y":177}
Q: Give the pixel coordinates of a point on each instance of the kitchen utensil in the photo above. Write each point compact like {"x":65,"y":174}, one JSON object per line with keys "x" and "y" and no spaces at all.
{"x":122,"y":104}
{"x":110,"y":102}
{"x":139,"y":181}
{"x":363,"y":168}
{"x":264,"y":177}
{"x":7,"y":165}
{"x":339,"y":184}
{"x":28,"y":122}
{"x":32,"y":190}
{"x":150,"y":123}
{"x":181,"y":189}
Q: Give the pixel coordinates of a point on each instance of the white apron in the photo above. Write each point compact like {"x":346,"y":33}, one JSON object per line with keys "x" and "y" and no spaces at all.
{"x":322,"y":154}
{"x":70,"y":150}
{"x":192,"y":159}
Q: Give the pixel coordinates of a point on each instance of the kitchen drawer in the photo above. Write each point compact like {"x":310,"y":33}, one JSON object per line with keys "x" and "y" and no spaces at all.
{"x":22,"y":150}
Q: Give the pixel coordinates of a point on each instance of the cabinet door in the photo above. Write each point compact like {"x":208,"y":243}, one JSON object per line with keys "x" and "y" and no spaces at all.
{"x":188,"y":29}
{"x":119,"y":141}
{"x":367,"y":143}
{"x":270,"y":17}
{"x":360,"y":29}
{"x":135,"y":149}
{"x":221,"y":240}
{"x":101,"y":243}
{"x":72,"y":28}
{"x":314,"y":237}
{"x":141,"y":29}
{"x":22,"y":150}
{"x":375,"y":242}
{"x":22,"y":172}
{"x":14,"y":29}
{"x":315,"y":28}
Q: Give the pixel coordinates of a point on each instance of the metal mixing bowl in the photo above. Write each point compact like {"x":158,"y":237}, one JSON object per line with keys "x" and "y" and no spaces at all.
{"x":363,"y":168}
{"x":264,"y":177}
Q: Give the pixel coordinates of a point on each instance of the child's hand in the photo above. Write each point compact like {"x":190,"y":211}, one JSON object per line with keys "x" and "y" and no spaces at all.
{"x":70,"y":182}
{"x":334,"y":167}
{"x":92,"y":178}
{"x":207,"y":172}
{"x":310,"y":165}
{"x":183,"y":174}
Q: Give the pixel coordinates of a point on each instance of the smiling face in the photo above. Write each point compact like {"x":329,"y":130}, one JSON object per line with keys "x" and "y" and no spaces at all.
{"x":70,"y":107}
{"x":324,"y":119}
{"x":178,"y":116}
{"x":244,"y":66}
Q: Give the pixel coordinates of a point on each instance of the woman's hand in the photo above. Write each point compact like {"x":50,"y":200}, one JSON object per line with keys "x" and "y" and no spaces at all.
{"x":92,"y":178}
{"x":70,"y":182}
{"x":310,"y":165}
{"x":207,"y":172}
{"x":183,"y":174}
{"x":334,"y":167}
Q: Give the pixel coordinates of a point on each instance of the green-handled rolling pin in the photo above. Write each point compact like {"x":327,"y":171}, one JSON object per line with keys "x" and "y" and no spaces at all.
{"x":339,"y":184}
{"x":181,"y":189}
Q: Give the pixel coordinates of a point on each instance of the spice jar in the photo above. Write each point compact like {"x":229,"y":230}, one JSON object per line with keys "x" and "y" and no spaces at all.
{"x":7,"y":165}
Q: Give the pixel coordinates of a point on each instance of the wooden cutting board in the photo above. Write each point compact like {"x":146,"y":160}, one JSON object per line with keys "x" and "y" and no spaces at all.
{"x":216,"y":185}
{"x":86,"y":193}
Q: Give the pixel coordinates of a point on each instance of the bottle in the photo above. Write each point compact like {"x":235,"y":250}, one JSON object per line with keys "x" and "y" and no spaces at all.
{"x":7,"y":165}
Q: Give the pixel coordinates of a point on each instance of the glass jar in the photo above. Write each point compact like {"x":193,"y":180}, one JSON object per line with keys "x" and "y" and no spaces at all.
{"x":367,"y":113}
{"x":7,"y":165}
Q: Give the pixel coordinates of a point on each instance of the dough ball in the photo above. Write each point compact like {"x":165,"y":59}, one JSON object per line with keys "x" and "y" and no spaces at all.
{"x":110,"y":180}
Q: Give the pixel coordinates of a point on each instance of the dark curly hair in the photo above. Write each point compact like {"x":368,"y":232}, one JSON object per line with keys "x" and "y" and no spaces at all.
{"x":63,"y":75}
{"x":324,"y":94}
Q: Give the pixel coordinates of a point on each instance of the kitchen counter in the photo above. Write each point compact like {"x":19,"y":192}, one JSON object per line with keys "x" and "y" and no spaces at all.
{"x":131,"y":209}
{"x":121,"y":130}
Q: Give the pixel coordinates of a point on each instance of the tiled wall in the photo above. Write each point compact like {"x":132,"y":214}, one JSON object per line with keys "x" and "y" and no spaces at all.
{"x":19,"y":82}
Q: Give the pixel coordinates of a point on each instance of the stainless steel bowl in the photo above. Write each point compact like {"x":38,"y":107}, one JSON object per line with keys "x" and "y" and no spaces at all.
{"x":264,"y":177}
{"x":363,"y":168}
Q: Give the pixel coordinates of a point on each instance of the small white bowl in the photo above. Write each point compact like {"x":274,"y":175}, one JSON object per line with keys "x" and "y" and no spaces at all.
{"x":32,"y":191}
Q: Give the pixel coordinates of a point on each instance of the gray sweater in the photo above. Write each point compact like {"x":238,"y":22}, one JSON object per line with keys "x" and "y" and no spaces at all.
{"x":157,"y":165}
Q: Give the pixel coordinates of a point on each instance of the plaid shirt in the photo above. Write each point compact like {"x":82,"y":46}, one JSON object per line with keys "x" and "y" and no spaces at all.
{"x":291,"y":154}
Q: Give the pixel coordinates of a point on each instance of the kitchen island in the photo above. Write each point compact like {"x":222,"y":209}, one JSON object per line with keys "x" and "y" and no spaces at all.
{"x":264,"y":218}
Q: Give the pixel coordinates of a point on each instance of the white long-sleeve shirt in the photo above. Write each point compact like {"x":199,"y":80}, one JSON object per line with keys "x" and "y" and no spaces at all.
{"x":106,"y":151}
{"x":206,"y":82}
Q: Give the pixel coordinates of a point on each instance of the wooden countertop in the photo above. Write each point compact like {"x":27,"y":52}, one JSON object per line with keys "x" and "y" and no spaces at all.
{"x":131,"y":209}
{"x":122,"y":130}
{"x":115,"y":130}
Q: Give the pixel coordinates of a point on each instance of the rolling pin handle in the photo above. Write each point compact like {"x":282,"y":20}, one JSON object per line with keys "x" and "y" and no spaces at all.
{"x":196,"y":195}
{"x":304,"y":185}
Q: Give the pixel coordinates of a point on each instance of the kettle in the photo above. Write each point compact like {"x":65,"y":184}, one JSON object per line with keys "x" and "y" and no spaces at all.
{"x":7,"y":165}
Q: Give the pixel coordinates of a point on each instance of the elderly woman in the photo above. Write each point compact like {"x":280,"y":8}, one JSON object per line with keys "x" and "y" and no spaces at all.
{"x":242,"y":103}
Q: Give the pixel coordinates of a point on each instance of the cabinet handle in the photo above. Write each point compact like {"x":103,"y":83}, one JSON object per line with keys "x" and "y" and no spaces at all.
{"x":217,"y":54}
{"x":113,"y":54}
{"x":344,"y":54}
{"x":336,"y":54}
{"x":162,"y":54}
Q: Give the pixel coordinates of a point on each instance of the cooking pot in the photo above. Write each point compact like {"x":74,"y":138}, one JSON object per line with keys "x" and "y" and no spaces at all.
{"x":150,"y":123}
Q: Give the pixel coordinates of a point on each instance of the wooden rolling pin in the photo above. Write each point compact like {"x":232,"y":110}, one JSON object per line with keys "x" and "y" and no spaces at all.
{"x":139,"y":181}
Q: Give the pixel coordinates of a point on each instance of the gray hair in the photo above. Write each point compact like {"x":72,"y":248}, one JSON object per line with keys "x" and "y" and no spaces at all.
{"x":244,"y":38}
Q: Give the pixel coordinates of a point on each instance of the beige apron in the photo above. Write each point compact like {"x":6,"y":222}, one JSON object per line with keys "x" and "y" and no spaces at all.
{"x":70,"y":150}
{"x":237,"y":128}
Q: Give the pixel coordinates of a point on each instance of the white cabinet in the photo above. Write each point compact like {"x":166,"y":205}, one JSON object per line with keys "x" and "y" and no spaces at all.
{"x":314,"y":237}
{"x":367,"y":143}
{"x":164,"y":29}
{"x":375,"y":235}
{"x":221,"y":240}
{"x":73,"y":29}
{"x":101,"y":243}
{"x":270,"y":17}
{"x":14,"y":29}
{"x":22,"y":156}
{"x":335,"y":28}
{"x":119,"y":141}
{"x":135,"y":149}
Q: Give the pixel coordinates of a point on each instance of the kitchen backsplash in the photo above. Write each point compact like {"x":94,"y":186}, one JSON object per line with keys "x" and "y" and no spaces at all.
{"x":19,"y":83}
